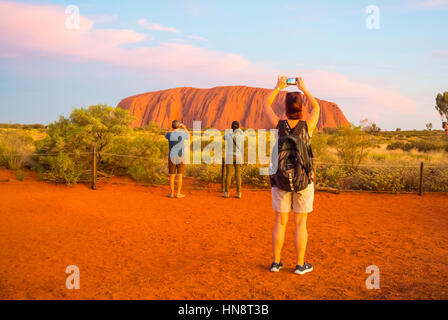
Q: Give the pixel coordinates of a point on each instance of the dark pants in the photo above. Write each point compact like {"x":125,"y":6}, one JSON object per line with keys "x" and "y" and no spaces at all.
{"x":229,"y":168}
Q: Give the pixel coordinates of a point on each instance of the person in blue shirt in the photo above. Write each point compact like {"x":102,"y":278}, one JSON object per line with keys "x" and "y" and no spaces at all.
{"x":178,"y":138}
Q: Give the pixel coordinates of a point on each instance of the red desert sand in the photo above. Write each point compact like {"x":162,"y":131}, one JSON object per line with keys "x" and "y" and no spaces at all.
{"x":132,"y":242}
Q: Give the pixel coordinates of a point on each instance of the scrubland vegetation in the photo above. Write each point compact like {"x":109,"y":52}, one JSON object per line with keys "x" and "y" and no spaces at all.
{"x":359,"y":158}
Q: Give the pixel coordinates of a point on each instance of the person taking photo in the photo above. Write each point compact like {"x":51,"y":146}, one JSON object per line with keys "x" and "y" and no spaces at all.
{"x":292,"y":184}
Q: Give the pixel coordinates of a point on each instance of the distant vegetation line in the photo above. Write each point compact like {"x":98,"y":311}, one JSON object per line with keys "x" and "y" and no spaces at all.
{"x":355,"y":157}
{"x":22,"y":126}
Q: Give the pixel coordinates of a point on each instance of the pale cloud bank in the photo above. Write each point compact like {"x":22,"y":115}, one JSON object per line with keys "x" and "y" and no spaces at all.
{"x":30,"y":29}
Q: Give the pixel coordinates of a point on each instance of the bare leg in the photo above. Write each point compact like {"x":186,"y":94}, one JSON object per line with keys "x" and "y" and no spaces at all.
{"x":278,"y":234}
{"x":300,"y":237}
{"x":172,"y":180}
{"x":179,"y":183}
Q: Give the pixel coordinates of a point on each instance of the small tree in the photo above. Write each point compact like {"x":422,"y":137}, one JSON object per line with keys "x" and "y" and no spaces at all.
{"x":442,"y":105}
{"x":369,"y":126}
{"x":70,"y":137}
{"x":429,"y":126}
{"x":101,"y":123}
{"x":352,"y":145}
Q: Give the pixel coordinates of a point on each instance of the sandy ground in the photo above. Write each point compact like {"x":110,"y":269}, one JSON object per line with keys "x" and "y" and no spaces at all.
{"x":132,"y":242}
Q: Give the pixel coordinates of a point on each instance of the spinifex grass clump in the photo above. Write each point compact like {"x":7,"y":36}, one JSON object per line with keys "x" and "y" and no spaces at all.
{"x":15,"y":149}
{"x":20,"y":175}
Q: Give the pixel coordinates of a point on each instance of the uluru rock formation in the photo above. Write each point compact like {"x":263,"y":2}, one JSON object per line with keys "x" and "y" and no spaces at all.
{"x":217,"y":107}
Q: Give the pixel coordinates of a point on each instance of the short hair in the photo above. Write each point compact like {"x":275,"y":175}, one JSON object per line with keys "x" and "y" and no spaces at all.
{"x":175,"y":124}
{"x":294,"y":105}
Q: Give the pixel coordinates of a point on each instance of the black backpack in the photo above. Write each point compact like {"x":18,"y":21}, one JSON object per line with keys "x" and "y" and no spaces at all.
{"x":295,"y":158}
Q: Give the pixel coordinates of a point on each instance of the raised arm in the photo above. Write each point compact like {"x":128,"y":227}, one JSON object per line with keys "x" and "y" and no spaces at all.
{"x":184,"y":127}
{"x":314,"y":119}
{"x":267,"y":107}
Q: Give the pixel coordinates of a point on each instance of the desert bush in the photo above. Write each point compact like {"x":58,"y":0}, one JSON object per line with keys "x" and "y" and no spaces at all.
{"x":426,"y":146}
{"x":145,"y":172}
{"x":436,"y":179}
{"x":400,"y":145}
{"x":63,"y":169}
{"x":330,"y":130}
{"x":250,"y":174}
{"x":330,"y":176}
{"x":352,"y":145}
{"x":392,"y":179}
{"x":320,"y":145}
{"x":73,"y":136}
{"x":378,"y":157}
{"x":205,"y":173}
{"x":131,"y":150}
{"x":99,"y":124}
{"x":20,"y":175}
{"x":15,"y":149}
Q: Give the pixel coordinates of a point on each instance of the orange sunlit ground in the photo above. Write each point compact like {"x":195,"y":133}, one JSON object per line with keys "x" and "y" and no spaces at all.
{"x":131,"y":241}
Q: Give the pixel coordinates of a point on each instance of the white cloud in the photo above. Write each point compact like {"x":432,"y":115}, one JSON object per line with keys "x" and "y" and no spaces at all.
{"x":30,"y":29}
{"x":156,"y":26}
{"x":199,"y":38}
{"x":432,"y":3}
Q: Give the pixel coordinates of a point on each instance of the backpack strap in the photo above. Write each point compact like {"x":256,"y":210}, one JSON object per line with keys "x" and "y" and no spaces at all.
{"x":283,"y":128}
{"x":300,"y":128}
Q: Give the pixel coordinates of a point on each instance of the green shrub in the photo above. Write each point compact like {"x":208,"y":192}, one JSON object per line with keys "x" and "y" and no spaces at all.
{"x":205,"y":173}
{"x":378,"y":156}
{"x":435,"y":179}
{"x":320,"y":145}
{"x":63,"y":168}
{"x":146,"y":173}
{"x":400,"y":145}
{"x":329,"y":176}
{"x":352,"y":145}
{"x":426,"y":146}
{"x":20,"y":175}
{"x":71,"y":139}
{"x":141,"y":155}
{"x":250,"y":174}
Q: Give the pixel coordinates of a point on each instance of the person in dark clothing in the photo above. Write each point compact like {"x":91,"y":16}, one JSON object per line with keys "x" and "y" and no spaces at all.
{"x":284,"y":202}
{"x":234,"y":158}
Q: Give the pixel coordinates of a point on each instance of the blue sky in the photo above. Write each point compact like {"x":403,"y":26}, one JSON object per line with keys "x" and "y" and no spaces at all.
{"x":390,"y":75}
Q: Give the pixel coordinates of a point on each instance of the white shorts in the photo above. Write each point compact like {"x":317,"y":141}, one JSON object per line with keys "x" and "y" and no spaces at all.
{"x":300,"y":202}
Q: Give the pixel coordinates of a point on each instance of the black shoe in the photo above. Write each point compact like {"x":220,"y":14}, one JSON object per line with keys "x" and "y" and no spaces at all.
{"x":275,"y":267}
{"x":307,"y":267}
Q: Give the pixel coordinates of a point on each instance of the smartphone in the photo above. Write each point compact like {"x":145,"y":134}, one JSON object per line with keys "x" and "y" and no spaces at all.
{"x":291,"y":81}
